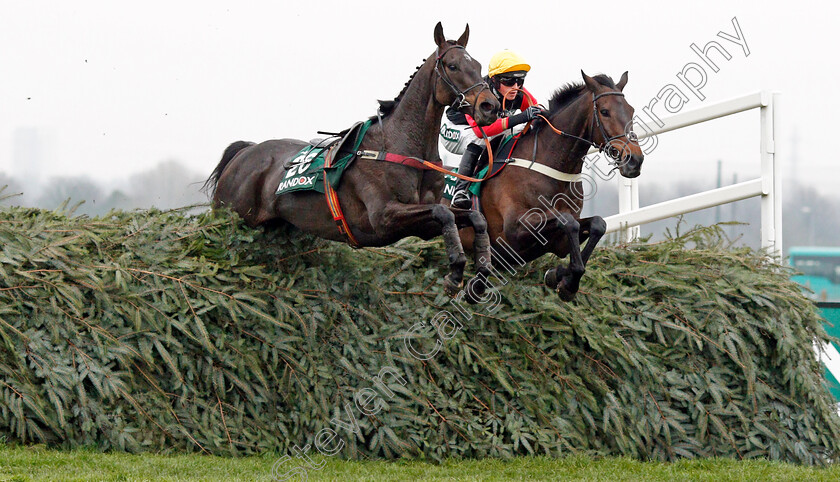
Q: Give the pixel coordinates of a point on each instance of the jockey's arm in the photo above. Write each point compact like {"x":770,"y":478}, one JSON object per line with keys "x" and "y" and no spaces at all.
{"x":502,"y":123}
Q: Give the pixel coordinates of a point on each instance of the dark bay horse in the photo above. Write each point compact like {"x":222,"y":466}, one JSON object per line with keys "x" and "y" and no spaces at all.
{"x":382,"y":202}
{"x":533,"y":205}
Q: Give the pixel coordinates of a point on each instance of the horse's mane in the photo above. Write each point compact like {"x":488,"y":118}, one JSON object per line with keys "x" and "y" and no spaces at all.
{"x":569,"y":92}
{"x":388,"y":106}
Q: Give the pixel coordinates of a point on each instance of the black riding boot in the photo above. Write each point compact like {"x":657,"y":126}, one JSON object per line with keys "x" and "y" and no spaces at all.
{"x":461,"y":198}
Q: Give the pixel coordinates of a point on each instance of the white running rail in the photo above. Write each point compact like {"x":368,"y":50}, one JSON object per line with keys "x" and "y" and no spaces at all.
{"x":768,"y":186}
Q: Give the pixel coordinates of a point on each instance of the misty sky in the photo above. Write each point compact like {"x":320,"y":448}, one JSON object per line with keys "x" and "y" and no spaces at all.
{"x":117,"y":89}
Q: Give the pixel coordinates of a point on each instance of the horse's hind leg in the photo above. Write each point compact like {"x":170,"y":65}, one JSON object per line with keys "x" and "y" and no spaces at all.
{"x":396,"y":221}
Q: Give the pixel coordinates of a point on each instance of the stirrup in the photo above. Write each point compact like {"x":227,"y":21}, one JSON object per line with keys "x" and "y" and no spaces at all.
{"x":461,"y":200}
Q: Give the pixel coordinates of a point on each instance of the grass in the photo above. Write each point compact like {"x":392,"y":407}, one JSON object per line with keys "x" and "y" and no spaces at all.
{"x":39,"y":463}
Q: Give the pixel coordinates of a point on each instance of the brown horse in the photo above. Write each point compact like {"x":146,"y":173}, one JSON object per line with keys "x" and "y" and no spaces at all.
{"x":382,"y":202}
{"x":533,"y":205}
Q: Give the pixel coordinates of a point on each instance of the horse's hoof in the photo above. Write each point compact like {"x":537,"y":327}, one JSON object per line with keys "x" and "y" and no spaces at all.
{"x":564,"y":293}
{"x":478,"y":285}
{"x":550,"y":279}
{"x":450,"y":287}
{"x":473,"y":291}
{"x":554,"y":276}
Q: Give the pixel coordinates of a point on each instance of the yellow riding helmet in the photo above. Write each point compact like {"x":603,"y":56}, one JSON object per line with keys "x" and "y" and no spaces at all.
{"x":506,"y":61}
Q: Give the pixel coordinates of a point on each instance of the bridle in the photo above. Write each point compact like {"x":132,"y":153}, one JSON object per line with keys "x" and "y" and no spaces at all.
{"x":606,"y":146}
{"x":460,"y":101}
{"x":611,"y":151}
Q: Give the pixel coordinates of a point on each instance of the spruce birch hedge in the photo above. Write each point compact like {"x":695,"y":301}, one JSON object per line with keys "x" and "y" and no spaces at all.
{"x":163,"y":331}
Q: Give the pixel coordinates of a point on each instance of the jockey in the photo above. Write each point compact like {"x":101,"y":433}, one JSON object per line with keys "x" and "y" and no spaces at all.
{"x":461,"y":141}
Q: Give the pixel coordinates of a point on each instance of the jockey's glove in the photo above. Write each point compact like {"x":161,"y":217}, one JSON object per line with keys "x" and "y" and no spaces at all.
{"x":526,"y":115}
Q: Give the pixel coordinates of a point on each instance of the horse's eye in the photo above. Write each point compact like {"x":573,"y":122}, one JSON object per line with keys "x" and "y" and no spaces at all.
{"x":605,"y":112}
{"x":453,"y":67}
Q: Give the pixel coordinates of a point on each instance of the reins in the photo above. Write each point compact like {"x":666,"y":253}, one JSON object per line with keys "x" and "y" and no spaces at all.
{"x":611,"y":151}
{"x":439,"y":168}
{"x":597,"y":115}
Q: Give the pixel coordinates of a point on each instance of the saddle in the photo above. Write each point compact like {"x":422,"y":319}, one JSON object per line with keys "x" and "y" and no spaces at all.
{"x":337,"y":145}
{"x":347,"y":144}
{"x":501,"y":153}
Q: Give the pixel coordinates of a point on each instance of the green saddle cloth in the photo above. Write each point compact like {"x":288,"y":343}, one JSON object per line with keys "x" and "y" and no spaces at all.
{"x":306,"y":169}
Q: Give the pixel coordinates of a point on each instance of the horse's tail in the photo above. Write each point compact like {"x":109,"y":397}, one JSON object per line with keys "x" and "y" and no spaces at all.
{"x":212,"y":181}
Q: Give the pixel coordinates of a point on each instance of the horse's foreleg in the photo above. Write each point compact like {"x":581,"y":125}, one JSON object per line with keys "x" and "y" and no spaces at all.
{"x":593,"y":228}
{"x":396,"y":221}
{"x":566,"y":280}
{"x":481,"y":251}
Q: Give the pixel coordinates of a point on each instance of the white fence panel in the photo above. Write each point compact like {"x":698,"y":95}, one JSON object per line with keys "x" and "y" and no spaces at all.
{"x":631,"y":216}
{"x":769,"y":187}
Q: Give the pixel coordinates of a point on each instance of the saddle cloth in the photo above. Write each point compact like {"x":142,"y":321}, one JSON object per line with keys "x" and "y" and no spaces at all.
{"x":305,"y":171}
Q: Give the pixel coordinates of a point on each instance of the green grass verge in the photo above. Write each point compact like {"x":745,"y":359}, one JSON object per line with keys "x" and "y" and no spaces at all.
{"x":38,"y":463}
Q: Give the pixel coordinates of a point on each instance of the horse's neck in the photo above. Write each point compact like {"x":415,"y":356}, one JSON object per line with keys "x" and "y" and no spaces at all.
{"x":412,"y":128}
{"x":563,"y":152}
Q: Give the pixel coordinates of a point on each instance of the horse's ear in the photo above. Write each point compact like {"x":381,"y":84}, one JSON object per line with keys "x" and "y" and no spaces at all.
{"x":462,"y":41}
{"x":621,"y":83}
{"x":591,"y":83}
{"x":439,"y":38}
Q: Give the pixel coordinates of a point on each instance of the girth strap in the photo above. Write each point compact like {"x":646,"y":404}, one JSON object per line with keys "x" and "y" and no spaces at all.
{"x":335,"y":206}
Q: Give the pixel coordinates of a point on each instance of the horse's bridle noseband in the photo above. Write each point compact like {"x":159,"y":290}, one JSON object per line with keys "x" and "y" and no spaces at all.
{"x":611,"y":151}
{"x":460,"y":101}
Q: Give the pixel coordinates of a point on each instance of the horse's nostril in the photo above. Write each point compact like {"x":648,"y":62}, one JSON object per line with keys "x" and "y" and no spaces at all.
{"x":487,"y":107}
{"x":633,"y":163}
